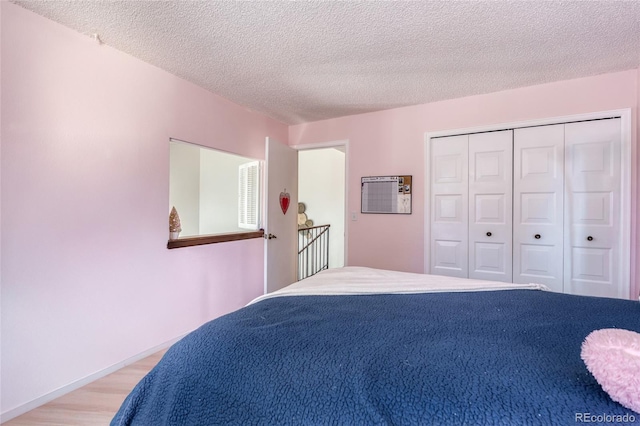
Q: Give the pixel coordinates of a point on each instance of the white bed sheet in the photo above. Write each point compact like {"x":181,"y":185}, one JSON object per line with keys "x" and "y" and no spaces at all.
{"x":353,"y":280}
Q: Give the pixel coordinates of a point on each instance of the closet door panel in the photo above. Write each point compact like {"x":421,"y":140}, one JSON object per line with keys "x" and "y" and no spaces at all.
{"x":490,"y":205}
{"x":538,"y":202}
{"x":592,"y":214}
{"x":449,"y":206}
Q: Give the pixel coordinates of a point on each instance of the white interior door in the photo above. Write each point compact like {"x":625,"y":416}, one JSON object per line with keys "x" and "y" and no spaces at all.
{"x":280,"y":229}
{"x":538,"y":195}
{"x":593,"y":257}
{"x":449,"y":206}
{"x":490,"y":205}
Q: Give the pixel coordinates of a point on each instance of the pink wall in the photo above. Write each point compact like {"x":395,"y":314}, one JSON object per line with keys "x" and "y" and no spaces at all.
{"x":87,"y":281}
{"x":392,"y":142}
{"x":635,"y":178}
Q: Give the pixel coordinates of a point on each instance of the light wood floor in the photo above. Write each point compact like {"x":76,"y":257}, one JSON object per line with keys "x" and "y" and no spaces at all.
{"x":93,"y":404}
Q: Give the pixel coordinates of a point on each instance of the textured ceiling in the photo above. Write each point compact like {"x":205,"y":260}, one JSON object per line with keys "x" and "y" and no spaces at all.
{"x":311,"y":60}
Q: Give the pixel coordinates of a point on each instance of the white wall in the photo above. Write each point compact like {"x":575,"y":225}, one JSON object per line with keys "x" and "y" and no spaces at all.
{"x":204,"y":189}
{"x":184,"y":185}
{"x":219,"y":192}
{"x":321,"y":185}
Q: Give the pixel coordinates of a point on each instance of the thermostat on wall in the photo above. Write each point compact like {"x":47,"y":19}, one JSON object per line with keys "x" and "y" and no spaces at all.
{"x":386,"y":194}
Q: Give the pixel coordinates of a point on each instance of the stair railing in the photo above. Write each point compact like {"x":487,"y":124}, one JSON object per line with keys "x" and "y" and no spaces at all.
{"x":313,"y":250}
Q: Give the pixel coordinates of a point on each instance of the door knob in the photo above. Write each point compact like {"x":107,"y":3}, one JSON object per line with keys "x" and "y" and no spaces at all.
{"x":270,"y":237}
{"x":488,"y":234}
{"x":537,"y":236}
{"x":589,"y":238}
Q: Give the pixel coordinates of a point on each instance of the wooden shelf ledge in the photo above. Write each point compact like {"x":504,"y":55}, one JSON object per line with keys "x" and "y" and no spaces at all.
{"x":212,"y":239}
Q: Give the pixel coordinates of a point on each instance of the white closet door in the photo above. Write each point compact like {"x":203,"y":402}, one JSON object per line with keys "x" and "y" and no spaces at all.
{"x":449,"y":206}
{"x":592,"y":211}
{"x":538,"y":192}
{"x":490,"y":205}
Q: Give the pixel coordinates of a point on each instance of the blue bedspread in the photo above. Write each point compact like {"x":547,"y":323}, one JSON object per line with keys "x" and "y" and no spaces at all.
{"x":500,"y":357}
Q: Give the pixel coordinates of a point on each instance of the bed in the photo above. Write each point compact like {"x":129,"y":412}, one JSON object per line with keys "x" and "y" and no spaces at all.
{"x":366,"y":346}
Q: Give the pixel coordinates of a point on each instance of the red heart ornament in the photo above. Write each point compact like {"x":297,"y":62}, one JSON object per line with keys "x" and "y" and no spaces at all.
{"x":285,"y":200}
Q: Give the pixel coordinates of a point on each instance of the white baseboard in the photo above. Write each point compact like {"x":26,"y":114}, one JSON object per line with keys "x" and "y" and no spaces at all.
{"x":24,"y":408}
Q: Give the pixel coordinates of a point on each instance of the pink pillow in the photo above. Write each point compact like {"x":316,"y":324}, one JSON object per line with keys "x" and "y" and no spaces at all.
{"x":613,"y":357}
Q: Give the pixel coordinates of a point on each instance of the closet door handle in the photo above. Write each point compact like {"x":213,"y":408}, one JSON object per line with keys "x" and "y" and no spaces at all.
{"x":537,"y":236}
{"x":589,"y":238}
{"x":488,"y":234}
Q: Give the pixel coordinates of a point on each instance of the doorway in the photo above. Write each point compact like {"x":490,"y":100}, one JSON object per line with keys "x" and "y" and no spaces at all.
{"x":322,"y":194}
